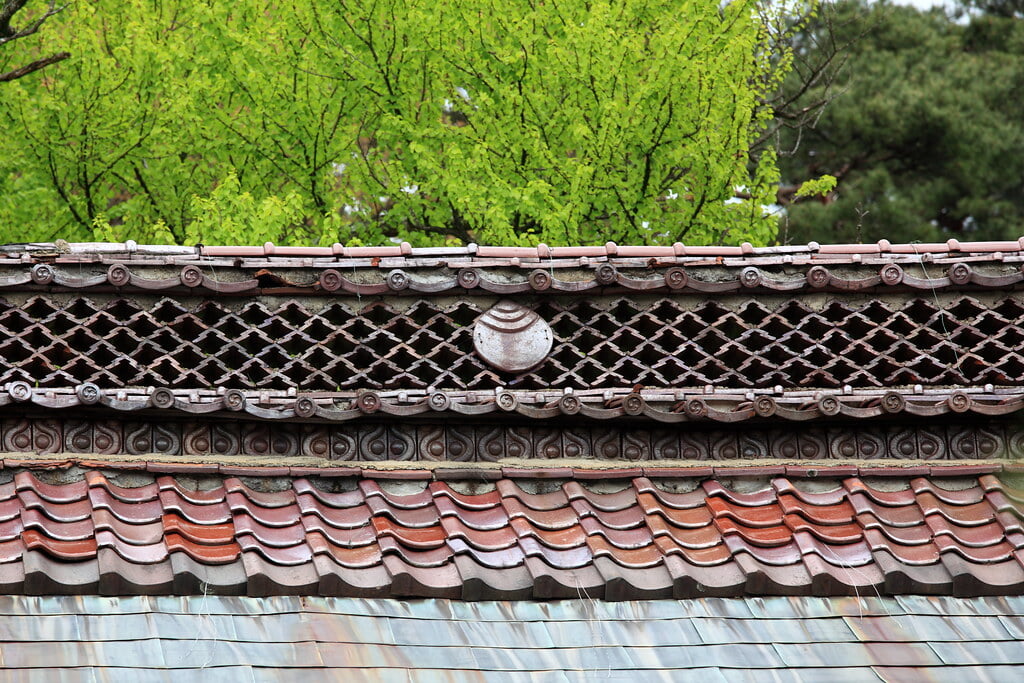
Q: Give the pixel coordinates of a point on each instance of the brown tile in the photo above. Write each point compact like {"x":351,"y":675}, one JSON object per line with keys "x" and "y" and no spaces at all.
{"x":266,"y":499}
{"x":605,"y":474}
{"x":693,"y":581}
{"x":907,"y":515}
{"x":975,"y":537}
{"x":905,"y":535}
{"x":412,"y":501}
{"x":253,"y":471}
{"x":776,"y":555}
{"x":432,"y":557}
{"x":841,"y":555}
{"x":504,"y":558}
{"x":903,"y":579}
{"x":677,"y":472}
{"x":573,"y":558}
{"x":419,"y":538}
{"x":184,"y":468}
{"x":840,"y":513}
{"x":138,"y":494}
{"x":628,"y":583}
{"x":607,"y":502}
{"x":290,"y":555}
{"x":969,"y":496}
{"x":416,"y":582}
{"x":120,"y":576}
{"x":997,"y":552}
{"x":834,"y":497}
{"x":46,"y":575}
{"x":266,"y":576}
{"x":61,"y":512}
{"x":213,"y":513}
{"x":487,"y":582}
{"x":268,"y":516}
{"x":887,"y":498}
{"x":10,"y":508}
{"x":689,"y":518}
{"x":484,"y":519}
{"x":478,"y":501}
{"x":537,"y":472}
{"x":141,"y":512}
{"x":11,"y":529}
{"x":767,"y":578}
{"x":61,"y":550}
{"x":274,"y":537}
{"x":766,"y":537}
{"x":626,"y":518}
{"x":568,"y":537}
{"x":680,"y":501}
{"x":356,"y":557}
{"x":555,"y":583}
{"x":342,"y":518}
{"x":963,"y":515}
{"x":79,"y":530}
{"x":753,"y":499}
{"x":466,"y":474}
{"x":630,"y":539}
{"x":926,"y":553}
{"x":52,"y":493}
{"x":768,"y":515}
{"x":415,"y":517}
{"x":344,"y":537}
{"x":398,"y":474}
{"x":136,"y":554}
{"x":335,"y":500}
{"x":203,"y":534}
{"x":495,"y":539}
{"x":830,"y":580}
{"x":701,"y":557}
{"x":340,"y":581}
{"x":509,"y":490}
{"x":647,"y":556}
{"x":191,"y":495}
{"x":544,"y":519}
{"x":699,"y":537}
{"x":204,"y":554}
{"x":827,"y":533}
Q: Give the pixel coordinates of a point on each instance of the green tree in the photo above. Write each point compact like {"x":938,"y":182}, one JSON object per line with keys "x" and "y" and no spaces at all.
{"x":569,"y":122}
{"x":11,"y":30}
{"x":924,"y":135}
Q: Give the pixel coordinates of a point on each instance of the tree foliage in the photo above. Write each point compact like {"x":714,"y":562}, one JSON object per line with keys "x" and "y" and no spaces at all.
{"x":366,"y":120}
{"x":926,"y":136}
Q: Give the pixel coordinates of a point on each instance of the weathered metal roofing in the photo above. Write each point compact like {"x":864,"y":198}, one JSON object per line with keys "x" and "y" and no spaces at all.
{"x":205,"y":638}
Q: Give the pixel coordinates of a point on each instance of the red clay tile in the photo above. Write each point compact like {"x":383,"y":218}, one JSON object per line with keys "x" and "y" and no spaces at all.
{"x":767,"y":578}
{"x":904,"y":535}
{"x":701,"y":557}
{"x":418,"y":538}
{"x":61,"y":550}
{"x":192,"y":495}
{"x":288,"y":556}
{"x":887,"y":471}
{"x":414,"y":517}
{"x":827,"y":471}
{"x":12,"y":551}
{"x":975,"y":537}
{"x":647,"y":556}
{"x":997,"y":552}
{"x":274,"y":517}
{"x":768,"y":515}
{"x":573,"y":558}
{"x":483,"y":519}
{"x":347,"y":499}
{"x":693,"y":581}
{"x":840,"y":513}
{"x":536,"y":472}
{"x":477,"y":501}
{"x":203,"y":534}
{"x":267,"y":499}
{"x":556,"y":500}
{"x":11,"y":529}
{"x":8,"y":492}
{"x":413,"y":501}
{"x":398,"y":474}
{"x":133,"y":512}
{"x":10,"y":508}
{"x":53,"y":493}
{"x":136,"y":554}
{"x":354,"y":558}
{"x":834,"y":497}
{"x":607,"y":502}
{"x":189,"y":468}
{"x":999,"y":501}
{"x":828,"y":533}
{"x":975,"y":494}
{"x":276,"y":537}
{"x":504,"y":558}
{"x":677,"y":472}
{"x":565,"y":538}
{"x":629,"y":539}
{"x":417,"y":582}
{"x":213,"y":513}
{"x":680,"y":501}
{"x":482,"y":582}
{"x":889,"y":498}
{"x":692,"y":518}
{"x":753,"y":499}
{"x":205,"y":554}
{"x":777,"y":555}
{"x":346,"y":538}
{"x":895,"y":516}
{"x":834,"y":580}
{"x":760,"y":536}
{"x":963,"y":515}
{"x":545,"y":519}
{"x":925,"y":553}
{"x":466,"y":474}
{"x":61,"y":512}
{"x":139,"y":494}
{"x":496,"y":539}
{"x":626,"y":518}
{"x":841,"y":555}
{"x":432,"y":557}
{"x":62,"y":531}
{"x":703,"y":537}
{"x":726,"y":471}
{"x":253,"y":471}
{"x":605,"y":474}
{"x":343,"y":518}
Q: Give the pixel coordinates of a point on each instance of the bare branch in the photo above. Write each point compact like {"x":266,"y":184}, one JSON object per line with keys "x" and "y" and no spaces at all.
{"x":34,"y":66}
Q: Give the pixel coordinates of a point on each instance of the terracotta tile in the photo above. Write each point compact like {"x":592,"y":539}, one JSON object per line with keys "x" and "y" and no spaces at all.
{"x":213,"y":513}
{"x":415,"y":517}
{"x":899,"y":516}
{"x":347,"y":499}
{"x":482,"y":582}
{"x":975,"y":494}
{"x":680,"y":501}
{"x":10,"y":508}
{"x":768,"y":578}
{"x":626,"y":518}
{"x":134,"y":512}
{"x":417,"y":582}
{"x":61,"y":512}
{"x":693,"y":581}
{"x":925,"y":553}
{"x":274,"y":517}
{"x":412,"y":501}
{"x":433,"y":557}
{"x":418,"y":538}
{"x":342,"y":518}
{"x":888,"y":498}
{"x":504,"y":558}
{"x":484,"y":519}
{"x":351,"y":582}
{"x":274,"y":537}
{"x":544,"y":519}
{"x":559,"y":559}
{"x":831,"y":580}
{"x":828,"y":533}
{"x":606,"y":502}
{"x":191,"y":495}
{"x":691,"y":518}
{"x":776,"y":555}
{"x":963,"y":515}
{"x":997,"y":578}
{"x":769,"y":515}
{"x":841,"y":555}
{"x":996,"y":552}
{"x":203,"y":534}
{"x":905,"y":535}
{"x":496,"y":539}
{"x":53,"y":493}
{"x":47,"y":575}
{"x":12,"y":551}
{"x":346,"y":538}
{"x":759,"y":536}
{"x":79,"y":530}
{"x":61,"y":550}
{"x":11,"y":529}
{"x":272,"y":499}
{"x":120,"y":576}
{"x":1010,"y":522}
{"x":840,"y":513}
{"x":354,"y":558}
{"x":509,"y":490}
{"x":288,"y":556}
{"x":975,"y":537}
{"x":999,"y":501}
{"x":8,"y":491}
{"x":139,"y":494}
{"x":630,"y":539}
{"x":478,"y":501}
{"x":267,"y":577}
{"x":701,"y":557}
{"x":834,"y":497}
{"x":990,"y":482}
{"x":569,"y":537}
{"x":648,"y":556}
{"x":754,"y":499}
{"x":136,"y":554}
{"x":703,"y":537}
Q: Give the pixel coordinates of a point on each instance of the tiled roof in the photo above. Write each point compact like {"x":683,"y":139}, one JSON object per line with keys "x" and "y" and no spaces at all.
{"x":512,"y":539}
{"x":215,"y":638}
